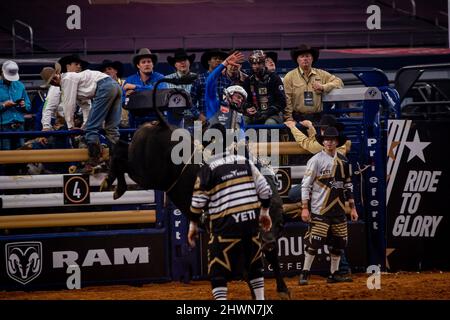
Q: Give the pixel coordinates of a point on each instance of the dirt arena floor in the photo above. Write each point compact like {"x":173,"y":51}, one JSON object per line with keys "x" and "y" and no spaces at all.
{"x":394,"y":286}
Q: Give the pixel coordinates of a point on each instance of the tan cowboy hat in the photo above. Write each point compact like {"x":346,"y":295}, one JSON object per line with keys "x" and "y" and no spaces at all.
{"x":48,"y":73}
{"x":180,"y":55}
{"x":144,"y":52}
{"x":303,"y":48}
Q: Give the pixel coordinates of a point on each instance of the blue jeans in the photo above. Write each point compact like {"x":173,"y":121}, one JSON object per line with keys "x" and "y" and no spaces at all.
{"x":295,"y":194}
{"x":11,"y":143}
{"x":106,"y":107}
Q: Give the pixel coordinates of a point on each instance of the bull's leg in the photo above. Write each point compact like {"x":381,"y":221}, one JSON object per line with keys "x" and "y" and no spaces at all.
{"x":118,"y":166}
{"x":270,"y":239}
{"x":111,"y":177}
{"x":121,"y":186}
{"x":272,"y":258}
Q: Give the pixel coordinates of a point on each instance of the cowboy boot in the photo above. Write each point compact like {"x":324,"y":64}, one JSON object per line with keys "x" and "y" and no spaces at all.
{"x":94,"y":157}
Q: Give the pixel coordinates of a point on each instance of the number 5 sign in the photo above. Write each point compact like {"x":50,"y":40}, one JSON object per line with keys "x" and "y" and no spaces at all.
{"x":284,"y":181}
{"x":76,"y":189}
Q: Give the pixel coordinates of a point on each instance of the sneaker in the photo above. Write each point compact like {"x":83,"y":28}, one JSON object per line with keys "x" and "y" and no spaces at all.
{"x":334,"y":278}
{"x":304,"y":278}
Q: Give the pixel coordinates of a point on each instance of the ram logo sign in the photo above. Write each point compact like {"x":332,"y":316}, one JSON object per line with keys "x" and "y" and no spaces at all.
{"x":24,"y":260}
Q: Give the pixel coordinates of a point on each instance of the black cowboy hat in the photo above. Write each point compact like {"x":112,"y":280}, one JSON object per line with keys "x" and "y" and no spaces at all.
{"x":331,"y":132}
{"x":143,"y":53}
{"x":180,"y":55}
{"x":303,"y":48}
{"x":272,"y":55}
{"x":207,"y":55}
{"x":64,"y":61}
{"x":328,"y":120}
{"x":113,"y":64}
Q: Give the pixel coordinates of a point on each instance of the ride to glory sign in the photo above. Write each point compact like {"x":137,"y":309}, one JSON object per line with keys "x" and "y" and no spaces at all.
{"x":418,"y":187}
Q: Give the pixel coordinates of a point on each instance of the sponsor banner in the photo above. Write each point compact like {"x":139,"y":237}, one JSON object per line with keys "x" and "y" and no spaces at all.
{"x":418,"y":228}
{"x":184,"y":262}
{"x":291,"y":254}
{"x":292,"y":244}
{"x":92,"y":258}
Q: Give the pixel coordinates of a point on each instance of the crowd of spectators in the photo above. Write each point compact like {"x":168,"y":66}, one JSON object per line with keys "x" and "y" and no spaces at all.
{"x":73,"y":91}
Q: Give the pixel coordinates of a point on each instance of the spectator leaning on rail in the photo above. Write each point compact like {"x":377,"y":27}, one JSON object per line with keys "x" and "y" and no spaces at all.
{"x":53,"y":107}
{"x":144,"y":79}
{"x":266,"y":100}
{"x":305,"y":85}
{"x":14,"y":102}
{"x":105,"y":94}
{"x":114,"y":69}
{"x":311,"y":144}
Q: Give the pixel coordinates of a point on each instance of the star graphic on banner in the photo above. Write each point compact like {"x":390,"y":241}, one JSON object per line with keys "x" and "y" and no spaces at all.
{"x":416,"y":148}
{"x":394,"y":145}
{"x":388,"y":253}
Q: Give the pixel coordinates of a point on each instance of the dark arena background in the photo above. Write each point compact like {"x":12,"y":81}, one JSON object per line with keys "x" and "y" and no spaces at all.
{"x":394,"y":60}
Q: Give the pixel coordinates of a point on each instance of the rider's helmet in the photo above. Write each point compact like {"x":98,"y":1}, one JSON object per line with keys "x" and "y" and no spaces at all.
{"x":235,"y":89}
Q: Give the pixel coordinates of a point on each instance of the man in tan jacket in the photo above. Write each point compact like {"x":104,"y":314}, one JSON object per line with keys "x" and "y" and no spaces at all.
{"x":305,"y":85}
{"x":309,"y":141}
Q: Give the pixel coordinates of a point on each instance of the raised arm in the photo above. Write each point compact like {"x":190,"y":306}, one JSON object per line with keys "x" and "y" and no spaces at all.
{"x":212,"y":103}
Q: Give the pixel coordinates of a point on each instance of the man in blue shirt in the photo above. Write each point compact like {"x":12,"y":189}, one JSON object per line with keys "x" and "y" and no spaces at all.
{"x":218,"y":110}
{"x":210,"y":60}
{"x":144,"y":79}
{"x":14,"y":102}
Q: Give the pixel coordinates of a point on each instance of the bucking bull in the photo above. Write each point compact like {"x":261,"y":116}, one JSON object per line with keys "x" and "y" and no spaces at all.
{"x":147,"y":160}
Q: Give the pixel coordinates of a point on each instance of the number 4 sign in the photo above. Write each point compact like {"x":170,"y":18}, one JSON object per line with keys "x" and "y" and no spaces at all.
{"x":76,"y":189}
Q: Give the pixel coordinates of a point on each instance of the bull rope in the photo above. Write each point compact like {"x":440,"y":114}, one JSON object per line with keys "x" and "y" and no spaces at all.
{"x":196,"y":146}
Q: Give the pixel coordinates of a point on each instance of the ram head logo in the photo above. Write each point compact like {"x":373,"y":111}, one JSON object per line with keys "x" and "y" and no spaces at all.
{"x":24,"y":260}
